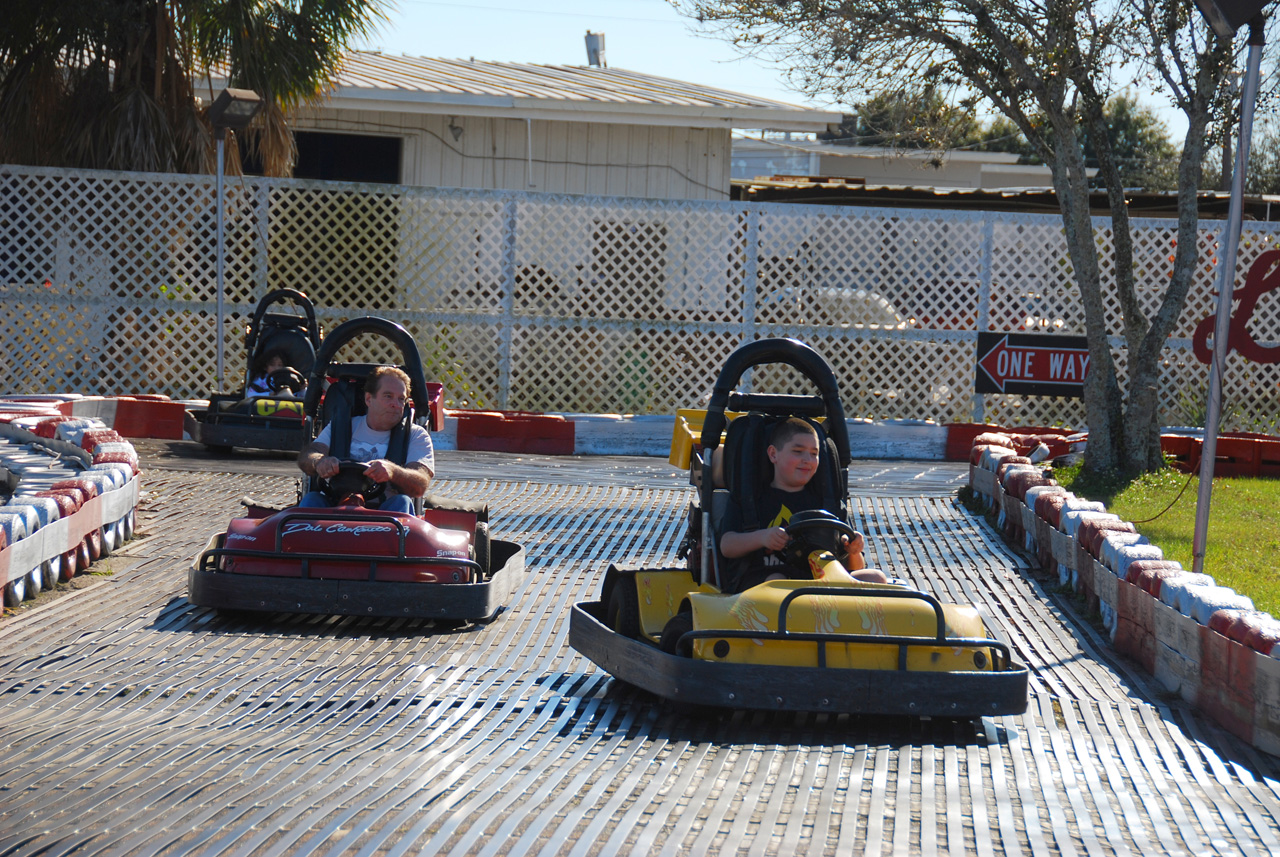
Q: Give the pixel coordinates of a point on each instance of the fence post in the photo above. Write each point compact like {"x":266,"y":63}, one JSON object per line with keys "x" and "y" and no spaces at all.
{"x":750,"y":276}
{"x":984,"y":306}
{"x":262,"y":264}
{"x":510,"y":211}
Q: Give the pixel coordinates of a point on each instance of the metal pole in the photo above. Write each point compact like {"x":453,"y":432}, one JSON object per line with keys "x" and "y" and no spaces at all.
{"x":1226,"y":285}
{"x":221,"y":134}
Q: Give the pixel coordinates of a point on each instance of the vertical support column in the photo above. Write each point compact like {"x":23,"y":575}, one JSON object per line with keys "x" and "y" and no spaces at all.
{"x":262,"y":265}
{"x":510,"y":214}
{"x":750,"y":278}
{"x":220,"y":252}
{"x":984,"y":305}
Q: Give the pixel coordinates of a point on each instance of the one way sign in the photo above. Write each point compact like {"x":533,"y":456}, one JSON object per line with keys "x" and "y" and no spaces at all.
{"x":1031,"y":363}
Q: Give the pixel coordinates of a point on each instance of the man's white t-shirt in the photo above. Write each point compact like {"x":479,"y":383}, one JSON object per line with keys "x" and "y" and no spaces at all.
{"x":367,"y":444}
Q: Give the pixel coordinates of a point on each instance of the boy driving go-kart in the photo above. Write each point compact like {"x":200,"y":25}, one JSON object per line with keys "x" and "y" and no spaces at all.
{"x":755,"y":554}
{"x":764,"y":614}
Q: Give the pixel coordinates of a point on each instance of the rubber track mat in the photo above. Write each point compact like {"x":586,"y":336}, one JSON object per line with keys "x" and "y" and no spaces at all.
{"x":134,"y":723}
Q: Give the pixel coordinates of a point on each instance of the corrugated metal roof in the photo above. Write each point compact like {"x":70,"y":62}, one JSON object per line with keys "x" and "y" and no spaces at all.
{"x":439,"y":85}
{"x":836,"y":190}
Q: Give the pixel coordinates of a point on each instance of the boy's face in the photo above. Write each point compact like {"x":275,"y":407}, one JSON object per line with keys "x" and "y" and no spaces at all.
{"x":795,"y":463}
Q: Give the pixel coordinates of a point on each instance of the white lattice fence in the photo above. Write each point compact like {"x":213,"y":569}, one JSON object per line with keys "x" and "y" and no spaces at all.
{"x":540,"y":302}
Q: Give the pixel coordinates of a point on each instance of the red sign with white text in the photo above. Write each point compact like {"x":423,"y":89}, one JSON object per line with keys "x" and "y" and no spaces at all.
{"x":1032,"y":364}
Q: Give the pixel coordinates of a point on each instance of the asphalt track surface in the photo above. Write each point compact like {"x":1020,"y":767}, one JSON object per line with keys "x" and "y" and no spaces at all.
{"x":132,"y":722}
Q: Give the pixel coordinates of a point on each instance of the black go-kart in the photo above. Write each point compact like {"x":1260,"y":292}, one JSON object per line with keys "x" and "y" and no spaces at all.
{"x":820,"y":640}
{"x":353,"y":558}
{"x":270,"y":420}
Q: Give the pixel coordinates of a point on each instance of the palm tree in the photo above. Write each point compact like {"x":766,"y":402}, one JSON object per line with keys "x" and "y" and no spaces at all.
{"x":111,"y":83}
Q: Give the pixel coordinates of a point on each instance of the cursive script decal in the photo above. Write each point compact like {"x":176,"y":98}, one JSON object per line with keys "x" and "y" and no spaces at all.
{"x":1263,"y":277}
{"x":314,"y":527}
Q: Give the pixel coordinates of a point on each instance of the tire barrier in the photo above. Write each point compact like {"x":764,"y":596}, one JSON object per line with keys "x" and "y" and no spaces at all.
{"x":1200,"y":640}
{"x":68,"y":496}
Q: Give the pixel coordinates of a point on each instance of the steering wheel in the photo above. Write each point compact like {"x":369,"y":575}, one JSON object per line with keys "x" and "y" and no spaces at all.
{"x":351,"y":480}
{"x":286,"y":378}
{"x":814,"y":530}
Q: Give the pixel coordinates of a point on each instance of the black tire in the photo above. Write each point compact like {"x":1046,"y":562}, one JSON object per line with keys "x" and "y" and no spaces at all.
{"x":622,"y":613}
{"x":218,"y":448}
{"x":676,"y":627}
{"x":480,"y":545}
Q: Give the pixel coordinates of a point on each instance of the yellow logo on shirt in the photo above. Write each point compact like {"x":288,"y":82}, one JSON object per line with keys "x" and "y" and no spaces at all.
{"x":783,"y":518}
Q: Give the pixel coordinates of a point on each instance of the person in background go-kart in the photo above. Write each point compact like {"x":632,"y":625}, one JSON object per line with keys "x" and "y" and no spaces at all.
{"x":268,"y":362}
{"x":753,"y":554}
{"x":385,"y":394}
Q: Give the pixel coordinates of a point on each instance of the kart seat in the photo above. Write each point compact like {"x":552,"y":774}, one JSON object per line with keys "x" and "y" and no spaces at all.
{"x":294,"y":346}
{"x":748,"y":471}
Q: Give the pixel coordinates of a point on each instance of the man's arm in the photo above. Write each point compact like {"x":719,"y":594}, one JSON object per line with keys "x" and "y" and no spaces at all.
{"x":411,"y":480}
{"x":315,"y":460}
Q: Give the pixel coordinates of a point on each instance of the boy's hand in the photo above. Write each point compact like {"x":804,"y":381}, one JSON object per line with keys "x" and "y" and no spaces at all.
{"x":774,"y":539}
{"x":854,"y":548}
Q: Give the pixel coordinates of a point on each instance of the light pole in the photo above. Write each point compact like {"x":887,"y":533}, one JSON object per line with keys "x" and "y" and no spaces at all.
{"x":234,"y":109}
{"x":1225,"y":17}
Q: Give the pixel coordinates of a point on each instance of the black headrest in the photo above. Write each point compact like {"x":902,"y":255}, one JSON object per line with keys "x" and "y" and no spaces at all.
{"x":293,"y":345}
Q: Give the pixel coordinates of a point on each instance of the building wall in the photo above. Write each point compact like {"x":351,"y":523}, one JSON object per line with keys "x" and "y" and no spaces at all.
{"x":493,"y":153}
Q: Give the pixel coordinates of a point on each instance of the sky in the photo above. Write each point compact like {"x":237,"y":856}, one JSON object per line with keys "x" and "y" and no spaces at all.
{"x":640,"y":35}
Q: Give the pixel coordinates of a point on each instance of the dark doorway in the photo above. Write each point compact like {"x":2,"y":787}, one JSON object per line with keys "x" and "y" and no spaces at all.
{"x":343,"y":157}
{"x":348,"y":157}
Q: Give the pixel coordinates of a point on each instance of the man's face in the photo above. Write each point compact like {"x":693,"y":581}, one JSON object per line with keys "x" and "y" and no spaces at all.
{"x":387,"y":405}
{"x":795,"y":463}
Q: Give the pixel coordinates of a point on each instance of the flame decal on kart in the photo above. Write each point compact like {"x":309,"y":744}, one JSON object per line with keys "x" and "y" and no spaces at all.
{"x":873,"y":621}
{"x":646,"y":589}
{"x":749,"y":618}
{"x":826,"y":615}
{"x":312,"y":527}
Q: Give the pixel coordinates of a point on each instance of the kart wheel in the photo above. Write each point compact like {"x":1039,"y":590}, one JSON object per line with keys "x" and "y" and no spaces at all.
{"x":68,"y":566}
{"x":623,"y":611}
{"x":51,"y":569}
{"x":676,"y":627}
{"x":481,"y":547}
{"x":15,"y":592}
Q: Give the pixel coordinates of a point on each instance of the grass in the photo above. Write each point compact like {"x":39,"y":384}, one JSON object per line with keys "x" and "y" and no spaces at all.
{"x":1242,"y":548}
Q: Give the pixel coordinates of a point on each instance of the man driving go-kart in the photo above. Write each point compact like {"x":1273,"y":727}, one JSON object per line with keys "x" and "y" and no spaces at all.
{"x":403,"y":465}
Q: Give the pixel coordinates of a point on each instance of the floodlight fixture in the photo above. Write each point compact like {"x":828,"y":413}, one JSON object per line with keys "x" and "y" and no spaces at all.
{"x":1227,"y":16}
{"x":234,"y":109}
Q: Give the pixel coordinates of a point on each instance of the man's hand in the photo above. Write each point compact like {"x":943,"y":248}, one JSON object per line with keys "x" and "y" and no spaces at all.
{"x":327,"y":467}
{"x":380,"y":470}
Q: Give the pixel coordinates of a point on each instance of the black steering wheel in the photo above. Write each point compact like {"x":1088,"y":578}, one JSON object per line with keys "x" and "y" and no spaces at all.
{"x":351,"y":480}
{"x":814,"y":530}
{"x":286,"y":378}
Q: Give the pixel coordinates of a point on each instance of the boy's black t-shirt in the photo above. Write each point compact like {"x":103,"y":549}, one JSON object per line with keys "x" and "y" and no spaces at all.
{"x":775,"y":507}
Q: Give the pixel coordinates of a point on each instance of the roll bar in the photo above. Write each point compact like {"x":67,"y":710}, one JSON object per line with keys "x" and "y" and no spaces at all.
{"x":793,"y":353}
{"x":411,"y":361}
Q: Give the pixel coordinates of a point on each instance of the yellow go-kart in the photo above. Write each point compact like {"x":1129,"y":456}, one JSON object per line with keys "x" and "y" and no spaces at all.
{"x":817,"y":641}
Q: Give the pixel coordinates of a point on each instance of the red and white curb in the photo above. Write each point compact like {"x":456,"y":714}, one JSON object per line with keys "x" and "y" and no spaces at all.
{"x":1202,"y":641}
{"x":71,"y":490}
